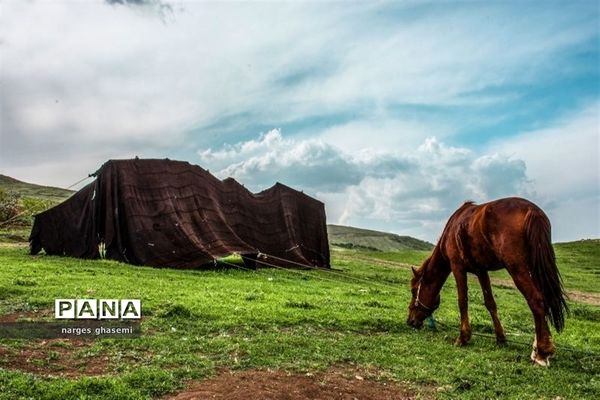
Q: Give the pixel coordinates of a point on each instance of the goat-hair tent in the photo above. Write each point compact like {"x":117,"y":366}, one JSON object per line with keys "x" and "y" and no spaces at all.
{"x":167,"y":213}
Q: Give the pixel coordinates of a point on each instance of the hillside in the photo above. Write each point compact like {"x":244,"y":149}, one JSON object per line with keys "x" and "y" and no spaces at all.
{"x":32,"y":190}
{"x":365,"y":239}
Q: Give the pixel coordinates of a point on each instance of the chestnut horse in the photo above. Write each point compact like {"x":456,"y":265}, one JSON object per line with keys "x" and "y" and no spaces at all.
{"x":511,"y":233}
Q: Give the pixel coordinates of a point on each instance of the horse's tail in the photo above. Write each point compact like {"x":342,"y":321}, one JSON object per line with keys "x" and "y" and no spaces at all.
{"x":543,"y":267}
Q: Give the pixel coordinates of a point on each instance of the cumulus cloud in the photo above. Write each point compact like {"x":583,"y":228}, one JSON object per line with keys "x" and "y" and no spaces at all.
{"x":272,"y":157}
{"x":412,"y":192}
{"x":418,"y":200}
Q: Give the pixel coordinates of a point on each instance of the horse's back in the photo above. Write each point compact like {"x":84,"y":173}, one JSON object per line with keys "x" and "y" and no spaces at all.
{"x":506,"y":216}
{"x":490,"y":235}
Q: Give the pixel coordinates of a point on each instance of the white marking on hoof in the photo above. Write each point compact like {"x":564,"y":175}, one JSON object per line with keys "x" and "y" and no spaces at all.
{"x":542,"y":362}
{"x":533,"y":355}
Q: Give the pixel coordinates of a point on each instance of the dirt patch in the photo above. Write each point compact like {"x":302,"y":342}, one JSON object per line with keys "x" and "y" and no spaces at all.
{"x":279,"y":385}
{"x":574,"y":295}
{"x":5,"y":243}
{"x":26,"y":315}
{"x":54,"y":357}
{"x":584,"y":297}
{"x":390,"y":263}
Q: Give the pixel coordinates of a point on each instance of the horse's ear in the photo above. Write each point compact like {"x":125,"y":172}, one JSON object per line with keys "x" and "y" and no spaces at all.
{"x":414,"y":271}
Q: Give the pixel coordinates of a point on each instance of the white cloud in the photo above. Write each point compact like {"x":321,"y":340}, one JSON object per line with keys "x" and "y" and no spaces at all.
{"x":411,"y":193}
{"x":418,"y":200}
{"x":308,"y":163}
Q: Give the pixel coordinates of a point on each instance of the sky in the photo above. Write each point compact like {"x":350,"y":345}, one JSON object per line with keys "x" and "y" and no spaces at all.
{"x":391,"y":113}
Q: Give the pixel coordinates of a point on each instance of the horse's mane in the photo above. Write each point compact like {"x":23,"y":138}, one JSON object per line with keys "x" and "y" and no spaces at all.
{"x":445,"y":235}
{"x":437,"y":250}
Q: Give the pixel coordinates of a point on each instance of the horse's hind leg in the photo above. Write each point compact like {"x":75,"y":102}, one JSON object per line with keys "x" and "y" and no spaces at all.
{"x":490,"y":304}
{"x":460,"y":275}
{"x":543,"y":348}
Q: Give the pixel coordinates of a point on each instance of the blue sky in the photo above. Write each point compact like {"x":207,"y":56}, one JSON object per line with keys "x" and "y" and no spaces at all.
{"x":392,"y":113}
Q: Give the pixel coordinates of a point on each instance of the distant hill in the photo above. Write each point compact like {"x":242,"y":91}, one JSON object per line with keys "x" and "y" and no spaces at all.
{"x":365,"y":239}
{"x":32,"y":190}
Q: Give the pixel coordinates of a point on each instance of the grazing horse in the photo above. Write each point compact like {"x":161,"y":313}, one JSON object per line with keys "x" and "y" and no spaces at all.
{"x":511,"y":233}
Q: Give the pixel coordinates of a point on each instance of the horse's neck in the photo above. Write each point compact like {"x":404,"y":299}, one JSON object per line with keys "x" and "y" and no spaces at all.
{"x":437,"y":269}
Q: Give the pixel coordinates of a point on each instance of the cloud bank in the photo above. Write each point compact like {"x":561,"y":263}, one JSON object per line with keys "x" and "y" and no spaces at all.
{"x":415,"y":190}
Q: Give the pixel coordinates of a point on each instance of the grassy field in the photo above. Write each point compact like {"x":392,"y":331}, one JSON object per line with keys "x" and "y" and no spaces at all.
{"x":197,"y":322}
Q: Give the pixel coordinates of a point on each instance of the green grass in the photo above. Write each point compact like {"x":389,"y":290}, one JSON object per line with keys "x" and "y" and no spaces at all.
{"x":409,"y":257}
{"x":198,"y":321}
{"x":578,"y":263}
{"x":581,"y":261}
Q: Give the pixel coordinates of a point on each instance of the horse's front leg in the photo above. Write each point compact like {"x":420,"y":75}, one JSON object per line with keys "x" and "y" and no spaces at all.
{"x":460,"y":275}
{"x":490,"y":304}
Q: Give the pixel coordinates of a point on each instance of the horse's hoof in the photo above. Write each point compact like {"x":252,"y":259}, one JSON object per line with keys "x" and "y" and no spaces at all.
{"x":501,"y":341}
{"x":460,"y":342}
{"x":537,"y":360}
{"x":541,"y":362}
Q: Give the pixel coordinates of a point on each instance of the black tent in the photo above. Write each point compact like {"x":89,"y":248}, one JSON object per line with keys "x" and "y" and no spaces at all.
{"x":173,"y":214}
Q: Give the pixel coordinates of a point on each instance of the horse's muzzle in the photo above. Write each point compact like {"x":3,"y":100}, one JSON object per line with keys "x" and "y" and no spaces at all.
{"x":414,"y":323}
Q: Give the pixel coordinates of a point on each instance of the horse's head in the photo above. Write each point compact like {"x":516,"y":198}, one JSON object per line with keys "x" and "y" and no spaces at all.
{"x":425,"y":298}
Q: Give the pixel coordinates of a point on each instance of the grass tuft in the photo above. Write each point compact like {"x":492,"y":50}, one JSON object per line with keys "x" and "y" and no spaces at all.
{"x":300,"y":304}
{"x":174,"y":311}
